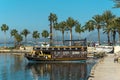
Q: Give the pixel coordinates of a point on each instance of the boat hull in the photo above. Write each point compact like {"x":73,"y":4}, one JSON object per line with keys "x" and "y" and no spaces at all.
{"x":30,"y":58}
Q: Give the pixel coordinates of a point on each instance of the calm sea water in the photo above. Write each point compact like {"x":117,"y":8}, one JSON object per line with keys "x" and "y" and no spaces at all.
{"x":14,"y":67}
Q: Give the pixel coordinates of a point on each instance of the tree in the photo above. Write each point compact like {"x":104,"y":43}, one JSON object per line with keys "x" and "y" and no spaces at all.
{"x":62,"y":28}
{"x":98,"y":23}
{"x":70,"y":23}
{"x":116,"y":23}
{"x":4,"y":28}
{"x":25,"y":33}
{"x":56,"y":27}
{"x":113,"y":27}
{"x":117,"y":3}
{"x":53,"y":20}
{"x":95,"y":23}
{"x":18,"y":38}
{"x":89,"y":25}
{"x":36,"y":35}
{"x":78,"y":28}
{"x":13,"y":33}
{"x":45,"y":34}
{"x":107,"y":17}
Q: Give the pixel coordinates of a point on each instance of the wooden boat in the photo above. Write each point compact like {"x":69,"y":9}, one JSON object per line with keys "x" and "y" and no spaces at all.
{"x":63,"y":53}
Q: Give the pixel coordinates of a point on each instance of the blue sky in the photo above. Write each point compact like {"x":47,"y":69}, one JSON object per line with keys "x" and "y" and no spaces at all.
{"x":33,"y":14}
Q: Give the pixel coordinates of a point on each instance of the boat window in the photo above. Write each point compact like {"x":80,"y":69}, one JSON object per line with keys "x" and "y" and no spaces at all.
{"x":36,"y":48}
{"x":46,"y":52}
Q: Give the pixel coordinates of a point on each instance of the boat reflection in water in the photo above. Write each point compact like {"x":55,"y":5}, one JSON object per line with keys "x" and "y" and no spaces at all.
{"x":58,"y":71}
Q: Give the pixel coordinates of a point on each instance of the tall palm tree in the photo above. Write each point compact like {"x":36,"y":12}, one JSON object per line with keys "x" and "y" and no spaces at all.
{"x":53,"y":20}
{"x":70,"y":22}
{"x":36,"y":35}
{"x":117,"y":26}
{"x":98,"y":23}
{"x":25,"y":33}
{"x":13,"y":33}
{"x":19,"y":39}
{"x":78,"y":28}
{"x":45,"y":34}
{"x":107,"y":17}
{"x":56,"y":28}
{"x":62,"y":28}
{"x":4,"y":28}
{"x":113,"y":27}
{"x":95,"y":23}
{"x":89,"y":26}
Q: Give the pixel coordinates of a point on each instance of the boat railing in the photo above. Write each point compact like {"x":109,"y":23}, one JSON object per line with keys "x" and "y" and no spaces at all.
{"x":60,"y":48}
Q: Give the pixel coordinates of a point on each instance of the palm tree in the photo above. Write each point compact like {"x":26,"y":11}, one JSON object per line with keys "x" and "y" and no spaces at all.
{"x":36,"y":35}
{"x":19,"y":39}
{"x":98,"y":23}
{"x":45,"y":34}
{"x":62,"y":28}
{"x":95,"y":23}
{"x":56,"y":27}
{"x":25,"y":33}
{"x":89,"y":25}
{"x":117,"y":3}
{"x":4,"y":28}
{"x":107,"y":17}
{"x":113,"y":26}
{"x":116,"y":23}
{"x":78,"y":28}
{"x":70,"y":23}
{"x":13,"y":33}
{"x":53,"y":20}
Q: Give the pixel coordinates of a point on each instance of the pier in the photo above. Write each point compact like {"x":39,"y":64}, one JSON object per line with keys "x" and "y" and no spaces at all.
{"x":106,"y":69}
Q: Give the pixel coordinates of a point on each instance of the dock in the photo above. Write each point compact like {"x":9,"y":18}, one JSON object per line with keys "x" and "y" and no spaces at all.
{"x":106,"y":69}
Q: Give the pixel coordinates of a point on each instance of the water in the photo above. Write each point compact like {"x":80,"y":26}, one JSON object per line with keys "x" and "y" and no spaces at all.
{"x":14,"y":67}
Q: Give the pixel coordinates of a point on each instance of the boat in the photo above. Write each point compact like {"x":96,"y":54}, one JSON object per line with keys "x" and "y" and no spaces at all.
{"x":66,"y":53}
{"x":76,"y":52}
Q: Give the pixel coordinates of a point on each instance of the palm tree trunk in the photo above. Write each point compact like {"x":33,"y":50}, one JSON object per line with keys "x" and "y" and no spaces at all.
{"x":79,"y":36}
{"x":114,"y":33}
{"x":14,"y":42}
{"x":62,"y":37}
{"x":5,"y":40}
{"x":70,"y":37}
{"x":108,"y":35}
{"x":98,"y":36}
{"x":50,"y":34}
{"x":119,"y":38}
{"x":25,"y":39}
{"x":56,"y":37}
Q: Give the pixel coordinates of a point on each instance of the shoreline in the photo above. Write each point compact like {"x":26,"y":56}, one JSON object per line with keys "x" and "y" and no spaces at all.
{"x":105,"y":69}
{"x":92,"y":72}
{"x":13,"y":51}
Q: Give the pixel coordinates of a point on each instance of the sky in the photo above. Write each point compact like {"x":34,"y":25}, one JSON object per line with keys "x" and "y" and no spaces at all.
{"x":33,"y":14}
